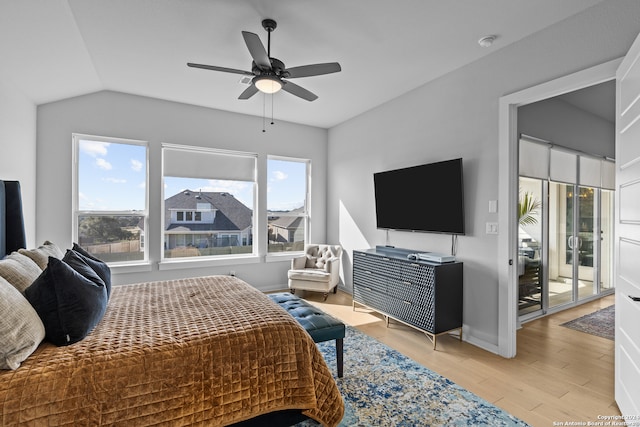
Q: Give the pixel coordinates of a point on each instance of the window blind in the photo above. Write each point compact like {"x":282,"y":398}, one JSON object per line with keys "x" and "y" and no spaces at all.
{"x":534,"y":159}
{"x":543,"y":161}
{"x":563,"y":166}
{"x":196,"y":162}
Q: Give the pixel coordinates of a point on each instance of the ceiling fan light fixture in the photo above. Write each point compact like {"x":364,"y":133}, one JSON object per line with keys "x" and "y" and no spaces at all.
{"x":267,"y":84}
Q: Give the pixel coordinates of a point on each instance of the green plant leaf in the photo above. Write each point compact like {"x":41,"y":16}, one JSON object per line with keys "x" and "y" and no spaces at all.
{"x":528,"y":207}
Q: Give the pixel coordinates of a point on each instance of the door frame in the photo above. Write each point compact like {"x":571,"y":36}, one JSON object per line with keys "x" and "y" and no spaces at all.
{"x":508,"y":188}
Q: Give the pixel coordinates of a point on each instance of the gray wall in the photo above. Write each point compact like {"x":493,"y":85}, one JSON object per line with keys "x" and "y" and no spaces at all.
{"x":561,"y":123}
{"x":113,"y":114}
{"x":18,"y":150}
{"x":457,"y":116}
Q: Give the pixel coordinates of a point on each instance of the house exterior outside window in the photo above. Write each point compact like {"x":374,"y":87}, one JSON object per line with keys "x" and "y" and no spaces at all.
{"x":288,"y":203}
{"x":224,"y":222}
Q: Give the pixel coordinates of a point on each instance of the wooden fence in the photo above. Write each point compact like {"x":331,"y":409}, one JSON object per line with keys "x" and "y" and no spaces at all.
{"x":117,"y":247}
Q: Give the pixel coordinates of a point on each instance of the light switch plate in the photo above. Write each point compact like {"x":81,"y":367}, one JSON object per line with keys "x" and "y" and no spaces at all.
{"x":492,"y":228}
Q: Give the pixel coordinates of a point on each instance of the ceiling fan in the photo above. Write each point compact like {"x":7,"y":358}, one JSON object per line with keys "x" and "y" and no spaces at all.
{"x":270,"y":73}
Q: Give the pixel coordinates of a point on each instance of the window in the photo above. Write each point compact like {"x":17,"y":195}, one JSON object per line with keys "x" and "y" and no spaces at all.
{"x":287,"y":203}
{"x":208,"y":202}
{"x":110,"y":197}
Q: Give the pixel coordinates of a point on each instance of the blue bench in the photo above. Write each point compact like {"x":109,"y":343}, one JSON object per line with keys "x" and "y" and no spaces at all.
{"x":320,"y":325}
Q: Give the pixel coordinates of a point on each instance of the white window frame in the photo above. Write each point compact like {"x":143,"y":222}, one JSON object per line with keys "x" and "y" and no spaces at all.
{"x":214,"y":260}
{"x":306,"y":214}
{"x":76,"y":137}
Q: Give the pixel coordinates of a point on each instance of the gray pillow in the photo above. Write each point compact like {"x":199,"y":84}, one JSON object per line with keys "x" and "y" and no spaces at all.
{"x":19,"y":270}
{"x":21,"y":329}
{"x":41,"y":254}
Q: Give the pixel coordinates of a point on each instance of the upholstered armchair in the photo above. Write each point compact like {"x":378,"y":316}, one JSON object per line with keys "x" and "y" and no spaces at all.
{"x":317,"y":270}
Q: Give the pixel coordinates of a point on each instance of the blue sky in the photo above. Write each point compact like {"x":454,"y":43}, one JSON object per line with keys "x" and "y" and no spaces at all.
{"x":111,"y":176}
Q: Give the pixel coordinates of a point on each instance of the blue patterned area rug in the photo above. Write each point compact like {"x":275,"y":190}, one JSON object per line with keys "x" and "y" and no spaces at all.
{"x":600,"y":323}
{"x":382,"y":387}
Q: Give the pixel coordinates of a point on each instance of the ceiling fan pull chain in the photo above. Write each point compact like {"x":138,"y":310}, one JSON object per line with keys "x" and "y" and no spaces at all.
{"x":264,"y":101}
{"x":271,"y":108}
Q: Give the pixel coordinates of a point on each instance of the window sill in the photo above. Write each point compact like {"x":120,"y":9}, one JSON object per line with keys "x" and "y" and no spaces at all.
{"x":282,"y":256}
{"x":137,"y":267}
{"x":181,"y":263}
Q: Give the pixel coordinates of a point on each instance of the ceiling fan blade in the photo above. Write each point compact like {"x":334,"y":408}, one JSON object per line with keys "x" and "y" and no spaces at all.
{"x":296,"y":90}
{"x":313,"y":70}
{"x":223,"y":69}
{"x":248,"y":92}
{"x":257,"y":51}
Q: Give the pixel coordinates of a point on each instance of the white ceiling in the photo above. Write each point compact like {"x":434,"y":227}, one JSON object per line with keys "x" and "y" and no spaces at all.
{"x":55,"y":49}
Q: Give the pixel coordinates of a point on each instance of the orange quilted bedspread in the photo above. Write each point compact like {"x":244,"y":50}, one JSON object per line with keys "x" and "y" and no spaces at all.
{"x":202,"y":351}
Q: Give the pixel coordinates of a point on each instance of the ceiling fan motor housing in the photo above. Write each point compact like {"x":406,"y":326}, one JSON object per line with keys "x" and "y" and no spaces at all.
{"x":277,"y":68}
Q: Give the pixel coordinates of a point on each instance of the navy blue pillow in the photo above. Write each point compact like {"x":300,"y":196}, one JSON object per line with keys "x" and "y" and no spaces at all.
{"x":77,"y":262}
{"x":69,"y":304}
{"x":99,"y":266}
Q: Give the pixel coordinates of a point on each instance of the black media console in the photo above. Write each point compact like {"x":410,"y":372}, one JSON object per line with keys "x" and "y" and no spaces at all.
{"x":421,"y":294}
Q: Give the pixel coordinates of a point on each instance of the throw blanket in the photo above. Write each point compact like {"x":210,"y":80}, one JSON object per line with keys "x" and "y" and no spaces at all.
{"x":202,"y":351}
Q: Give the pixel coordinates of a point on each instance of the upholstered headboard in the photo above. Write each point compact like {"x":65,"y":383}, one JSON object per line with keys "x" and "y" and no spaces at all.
{"x":12,"y":235}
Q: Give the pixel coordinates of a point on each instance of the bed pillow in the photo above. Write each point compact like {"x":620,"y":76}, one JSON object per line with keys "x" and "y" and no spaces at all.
{"x":41,"y":254}
{"x":99,"y":266}
{"x":69,"y":304}
{"x":19,"y":270}
{"x":21,"y":330}
{"x":76,"y":261}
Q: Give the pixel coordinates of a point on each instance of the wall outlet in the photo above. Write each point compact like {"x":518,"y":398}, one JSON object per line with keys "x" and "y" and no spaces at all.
{"x":492,"y":228}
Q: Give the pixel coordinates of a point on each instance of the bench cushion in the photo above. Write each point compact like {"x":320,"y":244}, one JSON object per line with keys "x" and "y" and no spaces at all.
{"x":320,"y":325}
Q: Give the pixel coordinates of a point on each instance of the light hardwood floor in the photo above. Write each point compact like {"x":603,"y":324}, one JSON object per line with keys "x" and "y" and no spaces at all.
{"x":558,"y":375}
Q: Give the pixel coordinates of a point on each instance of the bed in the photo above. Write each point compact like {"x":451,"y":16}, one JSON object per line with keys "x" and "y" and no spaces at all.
{"x":199,"y":351}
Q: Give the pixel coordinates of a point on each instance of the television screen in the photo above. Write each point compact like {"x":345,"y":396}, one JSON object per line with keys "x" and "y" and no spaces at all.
{"x":428,"y":198}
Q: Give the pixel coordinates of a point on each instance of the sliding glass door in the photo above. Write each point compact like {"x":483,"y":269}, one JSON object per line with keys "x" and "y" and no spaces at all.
{"x":565,"y":236}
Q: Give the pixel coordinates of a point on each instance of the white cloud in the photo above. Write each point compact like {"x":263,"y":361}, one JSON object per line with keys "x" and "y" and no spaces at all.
{"x":232,"y":187}
{"x":143,"y":185}
{"x":115,"y":180}
{"x":85,"y":202}
{"x":103,"y":164}
{"x":136,"y":165}
{"x":94,"y":148}
{"x":279,"y":176}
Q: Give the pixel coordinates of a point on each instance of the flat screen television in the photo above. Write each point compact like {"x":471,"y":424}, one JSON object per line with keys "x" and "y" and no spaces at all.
{"x":427,"y":198}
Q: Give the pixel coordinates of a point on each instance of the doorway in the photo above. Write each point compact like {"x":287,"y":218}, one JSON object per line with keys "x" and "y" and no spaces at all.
{"x":508,"y":188}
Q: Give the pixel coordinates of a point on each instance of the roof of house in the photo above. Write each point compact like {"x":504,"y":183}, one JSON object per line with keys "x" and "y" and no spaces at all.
{"x":286,"y":221}
{"x":231,"y":215}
